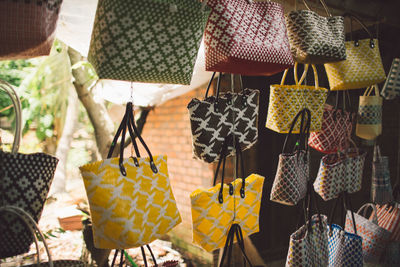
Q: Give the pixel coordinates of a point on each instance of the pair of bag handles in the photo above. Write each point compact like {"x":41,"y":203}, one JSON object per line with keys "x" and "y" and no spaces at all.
{"x":222,"y":160}
{"x":345,"y":205}
{"x":129,"y":123}
{"x":244,"y":102}
{"x":8,"y":88}
{"x":308,"y":209}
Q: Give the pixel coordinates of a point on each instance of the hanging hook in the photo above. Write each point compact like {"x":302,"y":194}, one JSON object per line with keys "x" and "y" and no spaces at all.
{"x":131,"y":98}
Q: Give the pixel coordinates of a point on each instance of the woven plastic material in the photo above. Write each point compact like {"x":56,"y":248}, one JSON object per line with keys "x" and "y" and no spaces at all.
{"x":315,"y":39}
{"x":362,"y":68}
{"x":285,"y":101}
{"x":246,"y":37}
{"x":391,"y":89}
{"x":374,"y":237}
{"x":149,"y":41}
{"x":27,"y":27}
{"x":335,"y":131}
{"x":309,"y":248}
{"x":340,"y":173}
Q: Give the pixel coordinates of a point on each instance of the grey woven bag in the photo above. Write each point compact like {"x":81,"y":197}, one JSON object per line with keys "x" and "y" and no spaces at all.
{"x":315,"y":39}
{"x":391,"y":89}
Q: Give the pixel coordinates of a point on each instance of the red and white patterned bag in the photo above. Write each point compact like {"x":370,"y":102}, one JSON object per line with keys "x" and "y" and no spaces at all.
{"x":336,"y":129}
{"x":246,"y":37}
{"x":389,"y":218}
{"x":374,"y":237}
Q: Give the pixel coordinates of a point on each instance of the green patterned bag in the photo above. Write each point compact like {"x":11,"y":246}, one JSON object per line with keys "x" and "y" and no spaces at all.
{"x":369,"y":117}
{"x":152,"y":41}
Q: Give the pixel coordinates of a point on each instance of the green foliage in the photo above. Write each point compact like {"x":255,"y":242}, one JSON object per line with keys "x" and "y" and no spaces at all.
{"x":46,"y":91}
{"x":14,"y":72}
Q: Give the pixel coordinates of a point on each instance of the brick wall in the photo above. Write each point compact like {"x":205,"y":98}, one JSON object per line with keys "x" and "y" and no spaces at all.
{"x":167,"y":131}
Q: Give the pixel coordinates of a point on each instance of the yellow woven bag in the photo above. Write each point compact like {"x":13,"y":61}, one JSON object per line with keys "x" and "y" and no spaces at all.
{"x":131,"y":201}
{"x":286,"y":101}
{"x":216,"y":209}
{"x":362,"y":68}
{"x":212,"y":219}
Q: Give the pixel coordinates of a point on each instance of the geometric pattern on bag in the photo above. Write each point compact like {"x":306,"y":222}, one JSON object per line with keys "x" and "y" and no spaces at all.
{"x":389,"y":218}
{"x":315,"y":39}
{"x":374,"y":237}
{"x":363,"y":65}
{"x":285,"y":101}
{"x":292,"y":174}
{"x":147,"y":40}
{"x":212,"y":220}
{"x":381,"y":188}
{"x":340,"y":173}
{"x":131,"y":200}
{"x":25,"y":181}
{"x":309,"y":247}
{"x":29,"y":26}
{"x":369,"y":114}
{"x":335,"y":131}
{"x":345,"y":249}
{"x":246,"y":37}
{"x":211,"y":121}
{"x":391,"y":89}
{"x":369,"y":117}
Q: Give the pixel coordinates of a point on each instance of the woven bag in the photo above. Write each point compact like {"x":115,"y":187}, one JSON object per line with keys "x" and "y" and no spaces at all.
{"x":335,"y":131}
{"x":25,"y":180}
{"x":217,"y":209}
{"x":375,"y":238}
{"x":389,"y":218}
{"x":292,"y":174}
{"x":363,"y":65}
{"x":391,"y":89}
{"x":27,"y":27}
{"x":340,"y":172}
{"x":149,"y":41}
{"x":131,"y":200}
{"x":345,"y":248}
{"x":369,"y":117}
{"x":381,"y":187}
{"x":246,"y":37}
{"x":286,"y":101}
{"x":315,"y":39}
{"x":308,"y":246}
{"x":214,"y":118}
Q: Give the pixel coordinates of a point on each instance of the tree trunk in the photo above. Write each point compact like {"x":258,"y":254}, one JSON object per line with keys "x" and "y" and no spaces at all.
{"x":96,"y":109}
{"x":64,"y":144}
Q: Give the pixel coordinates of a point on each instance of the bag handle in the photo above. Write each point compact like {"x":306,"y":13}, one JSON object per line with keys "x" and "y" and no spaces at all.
{"x":356,"y":43}
{"x":123,"y":253}
{"x":234,"y":230}
{"x":11,"y":92}
{"x":303,"y":76}
{"x":377,"y":154}
{"x":128,"y":122}
{"x":305,"y":125}
{"x":307,"y":6}
{"x":364,"y":209}
{"x":345,"y":201}
{"x":372,"y":88}
{"x":32,"y":226}
{"x":310,"y":197}
{"x":222,"y":160}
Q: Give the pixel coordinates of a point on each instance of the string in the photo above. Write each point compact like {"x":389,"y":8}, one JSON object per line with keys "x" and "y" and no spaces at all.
{"x":234,"y":145}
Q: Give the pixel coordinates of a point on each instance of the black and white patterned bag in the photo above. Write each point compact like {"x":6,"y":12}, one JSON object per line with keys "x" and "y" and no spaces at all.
{"x":215,"y":117}
{"x":315,"y":39}
{"x":25,"y":180}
